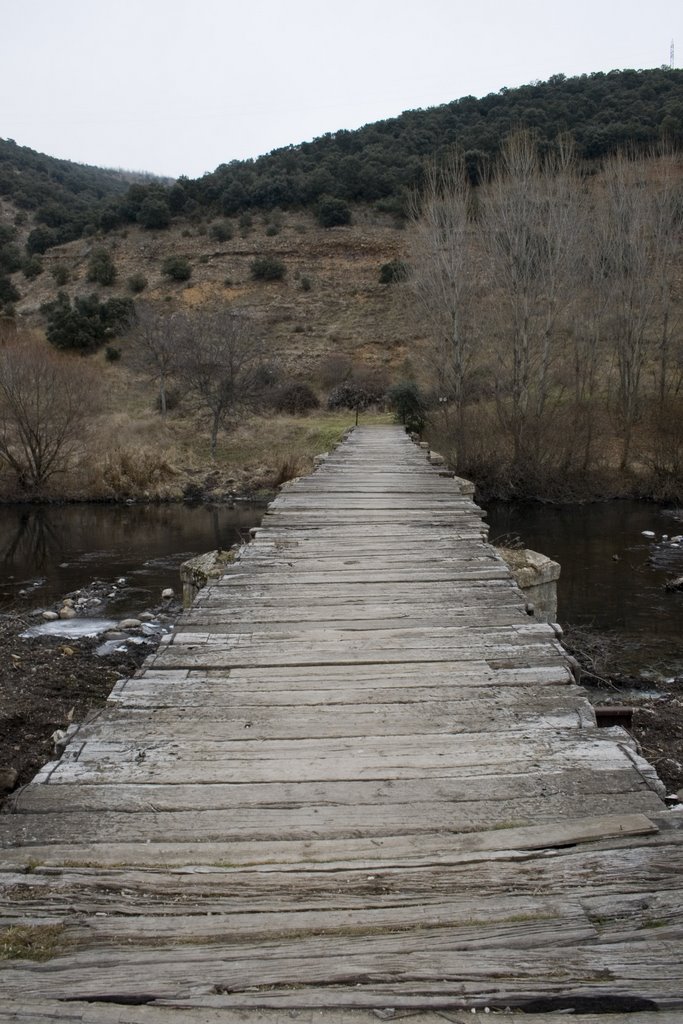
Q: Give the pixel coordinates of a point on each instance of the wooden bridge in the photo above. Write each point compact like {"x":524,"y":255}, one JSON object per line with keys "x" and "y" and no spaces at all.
{"x":358,"y":783}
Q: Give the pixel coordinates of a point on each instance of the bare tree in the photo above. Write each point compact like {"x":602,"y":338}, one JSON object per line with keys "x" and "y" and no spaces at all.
{"x":442,"y":273}
{"x":667,"y":222}
{"x":155,"y":347}
{"x":630,"y":282}
{"x":589,"y":349}
{"x":45,"y":400}
{"x":531,"y":243}
{"x":221,"y":364}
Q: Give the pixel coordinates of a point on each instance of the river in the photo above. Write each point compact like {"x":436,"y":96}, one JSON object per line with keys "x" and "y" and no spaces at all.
{"x":612,"y":576}
{"x":47,"y":551}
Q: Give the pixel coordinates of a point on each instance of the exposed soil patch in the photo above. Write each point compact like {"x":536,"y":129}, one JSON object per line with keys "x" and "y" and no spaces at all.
{"x":658,"y":727}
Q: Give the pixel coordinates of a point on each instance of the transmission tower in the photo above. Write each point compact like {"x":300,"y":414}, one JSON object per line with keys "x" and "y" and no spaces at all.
{"x":671,"y":55}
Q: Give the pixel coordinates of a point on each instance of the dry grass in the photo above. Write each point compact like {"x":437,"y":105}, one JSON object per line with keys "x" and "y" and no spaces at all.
{"x":145,"y":457}
{"x":31,"y":942}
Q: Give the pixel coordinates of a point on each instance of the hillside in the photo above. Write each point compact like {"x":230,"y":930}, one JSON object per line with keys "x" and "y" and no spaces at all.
{"x":381,"y":162}
{"x":378,"y":164}
{"x":329,"y":311}
{"x":577,"y":420}
{"x":330,"y":300}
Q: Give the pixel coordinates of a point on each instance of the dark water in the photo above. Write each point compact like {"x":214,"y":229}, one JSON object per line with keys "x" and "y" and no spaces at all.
{"x":49,"y":551}
{"x":623,"y":596}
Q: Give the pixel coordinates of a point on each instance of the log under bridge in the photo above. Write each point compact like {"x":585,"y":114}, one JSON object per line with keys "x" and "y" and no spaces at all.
{"x":359,"y":782}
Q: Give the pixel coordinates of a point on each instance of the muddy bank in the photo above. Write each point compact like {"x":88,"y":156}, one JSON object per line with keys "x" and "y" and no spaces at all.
{"x":45,"y":685}
{"x":59,"y":665}
{"x":655,"y":701}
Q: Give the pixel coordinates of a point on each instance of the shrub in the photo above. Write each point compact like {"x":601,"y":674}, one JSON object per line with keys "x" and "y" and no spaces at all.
{"x":267,"y":377}
{"x":332,"y":212}
{"x":87,"y":324}
{"x":349,"y":395}
{"x":8,"y":293}
{"x":137,"y":283}
{"x":32,"y":268}
{"x":393,"y":272}
{"x":41,"y":239}
{"x":112,"y":354}
{"x":10,"y":257}
{"x":61,"y":274}
{"x":306,"y":284}
{"x":408,"y":404}
{"x":117,"y":314}
{"x":295,"y":398}
{"x":154,"y":213}
{"x":177,"y":268}
{"x":221,"y":231}
{"x":267,"y":268}
{"x":396,"y":206}
{"x":101,"y":267}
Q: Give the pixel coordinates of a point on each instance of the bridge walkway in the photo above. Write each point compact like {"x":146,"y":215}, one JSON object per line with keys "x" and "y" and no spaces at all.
{"x":358,"y":779}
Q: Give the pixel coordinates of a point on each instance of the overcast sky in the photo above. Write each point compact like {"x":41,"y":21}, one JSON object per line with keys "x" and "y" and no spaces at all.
{"x":179,"y":87}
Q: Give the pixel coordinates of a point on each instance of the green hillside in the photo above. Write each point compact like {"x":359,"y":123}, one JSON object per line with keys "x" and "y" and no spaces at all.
{"x":381,"y":162}
{"x":378,"y":164}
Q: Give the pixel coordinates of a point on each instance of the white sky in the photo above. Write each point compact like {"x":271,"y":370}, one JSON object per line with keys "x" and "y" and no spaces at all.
{"x":180,"y":87}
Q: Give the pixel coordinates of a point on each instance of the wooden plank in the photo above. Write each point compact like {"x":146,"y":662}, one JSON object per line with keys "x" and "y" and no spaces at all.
{"x":561,"y":970}
{"x":309,"y":823}
{"x":387,"y":850}
{"x":200,"y":1011}
{"x":545,"y":792}
{"x":349,"y":719}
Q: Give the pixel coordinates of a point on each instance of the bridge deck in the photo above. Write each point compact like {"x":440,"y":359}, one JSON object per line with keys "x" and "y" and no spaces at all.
{"x":358,"y":776}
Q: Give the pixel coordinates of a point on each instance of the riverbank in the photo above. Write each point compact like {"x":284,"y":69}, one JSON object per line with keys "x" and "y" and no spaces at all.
{"x":150,"y":459}
{"x":656,"y":706}
{"x":46,"y":685}
{"x":135,"y":454}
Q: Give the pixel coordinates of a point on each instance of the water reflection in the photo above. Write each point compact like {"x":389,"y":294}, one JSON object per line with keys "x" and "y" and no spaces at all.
{"x":612,"y":576}
{"x":48,"y":551}
{"x":28,"y":538}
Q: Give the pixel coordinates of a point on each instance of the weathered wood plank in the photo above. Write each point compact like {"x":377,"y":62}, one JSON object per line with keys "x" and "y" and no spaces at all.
{"x":331,"y":720}
{"x":561,"y":970}
{"x":210,"y":1011}
{"x":545,"y":792}
{"x":385,"y":850}
{"x":309,"y":823}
